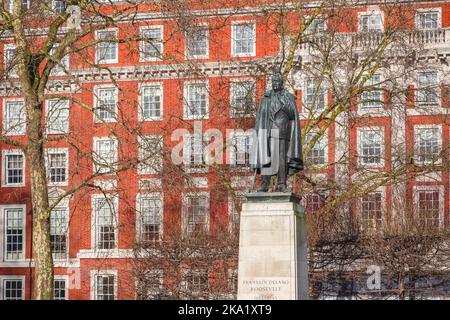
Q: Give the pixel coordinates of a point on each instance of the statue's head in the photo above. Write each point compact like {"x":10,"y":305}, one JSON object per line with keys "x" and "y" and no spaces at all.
{"x":277,"y":80}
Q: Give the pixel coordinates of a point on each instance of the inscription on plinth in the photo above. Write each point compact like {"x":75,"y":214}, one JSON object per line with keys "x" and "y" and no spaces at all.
{"x":272,"y":248}
{"x":266,"y":288}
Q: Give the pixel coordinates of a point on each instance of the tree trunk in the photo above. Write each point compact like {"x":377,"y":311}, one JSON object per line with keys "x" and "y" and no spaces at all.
{"x":43,"y":261}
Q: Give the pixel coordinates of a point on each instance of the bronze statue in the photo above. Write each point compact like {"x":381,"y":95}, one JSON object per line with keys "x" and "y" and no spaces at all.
{"x":277,"y":149}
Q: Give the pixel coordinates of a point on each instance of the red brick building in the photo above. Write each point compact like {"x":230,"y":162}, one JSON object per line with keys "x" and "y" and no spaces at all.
{"x":212,"y":73}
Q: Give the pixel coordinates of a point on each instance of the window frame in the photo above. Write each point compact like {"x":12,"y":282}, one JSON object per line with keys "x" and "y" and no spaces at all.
{"x":368,"y":14}
{"x":141,"y":169}
{"x":48,"y":129}
{"x":421,"y":11}
{"x":55,"y":7}
{"x":142,"y":43}
{"x":186,"y":100}
{"x":188,"y":149}
{"x":418,"y":128}
{"x":5,"y":154}
{"x":64,"y":278}
{"x":322,"y":87}
{"x":6,"y":120}
{"x":380,"y":105}
{"x":202,"y":27}
{"x":139,"y":198}
{"x":430,"y":188}
{"x":234,"y":84}
{"x":104,"y":169}
{"x":3,"y":227}
{"x":233,"y":148}
{"x":47,"y":164}
{"x":7,"y":47}
{"x":185,"y":217}
{"x":98,"y":60}
{"x":114,"y":201}
{"x":94,"y":274}
{"x":322,"y":195}
{"x":422,"y":104}
{"x":323,"y":139}
{"x":114,"y":116}
{"x":142,"y":87}
{"x":4,"y":278}
{"x":195,"y":272}
{"x":317,"y":20}
{"x":360,"y":132}
{"x":64,"y":63}
{"x":63,"y":205}
{"x":382,"y":192}
{"x":154,"y":273}
{"x":234,"y":24}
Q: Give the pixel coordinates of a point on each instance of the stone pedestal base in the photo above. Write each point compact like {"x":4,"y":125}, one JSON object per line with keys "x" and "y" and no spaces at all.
{"x":272,"y":248}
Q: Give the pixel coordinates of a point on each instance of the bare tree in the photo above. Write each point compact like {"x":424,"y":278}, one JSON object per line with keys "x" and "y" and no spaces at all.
{"x":338,"y":66}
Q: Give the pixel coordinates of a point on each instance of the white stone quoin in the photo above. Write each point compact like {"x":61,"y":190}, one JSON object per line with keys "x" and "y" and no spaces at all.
{"x":272,"y":248}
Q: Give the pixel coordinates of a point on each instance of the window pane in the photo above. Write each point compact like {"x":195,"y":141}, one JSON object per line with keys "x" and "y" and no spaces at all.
{"x":151,"y":218}
{"x":428,"y":20}
{"x":315,"y":95}
{"x":371,"y":211}
{"x":13,"y":289}
{"x":106,"y":224}
{"x":313,"y":202}
{"x":106,"y":104}
{"x":150,"y":155}
{"x":107,"y":49}
{"x":14,"y":168}
{"x":372,"y":97}
{"x":428,"y":207}
{"x":150,"y":285}
{"x":14,"y":234}
{"x":10,"y":63}
{"x":197,"y":42}
{"x":317,"y":156}
{"x":193,"y":150}
{"x":428,"y":91}
{"x":57,"y":167}
{"x":151,"y":102}
{"x":59,"y":6}
{"x":105,"y":155}
{"x":14,"y":118}
{"x":371,"y":22}
{"x":242,"y":147}
{"x":59,"y":229}
{"x":243,"y":98}
{"x":152,"y":46}
{"x":197,"y":214}
{"x":59,"y":289}
{"x":244,"y":38}
{"x":197,"y":281}
{"x":371,"y":147}
{"x":105,"y":287}
{"x":429,"y":144}
{"x":58,"y":116}
{"x":197,"y":95}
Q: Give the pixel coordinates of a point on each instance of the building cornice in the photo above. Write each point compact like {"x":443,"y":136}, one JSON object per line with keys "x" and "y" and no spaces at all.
{"x":222,"y":12}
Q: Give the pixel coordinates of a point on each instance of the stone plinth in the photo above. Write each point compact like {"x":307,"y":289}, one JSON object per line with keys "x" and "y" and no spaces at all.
{"x":272,"y":248}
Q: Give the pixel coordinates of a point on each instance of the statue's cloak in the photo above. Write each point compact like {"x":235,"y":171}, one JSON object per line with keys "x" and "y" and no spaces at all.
{"x":264,"y":140}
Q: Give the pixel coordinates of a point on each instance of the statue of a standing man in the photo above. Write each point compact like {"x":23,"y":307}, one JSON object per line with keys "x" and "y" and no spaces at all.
{"x":277,"y":149}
